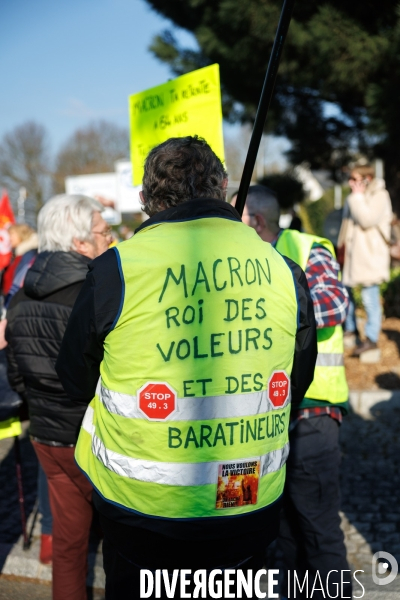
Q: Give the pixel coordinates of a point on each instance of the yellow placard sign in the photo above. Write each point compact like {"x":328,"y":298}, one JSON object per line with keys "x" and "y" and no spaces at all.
{"x":187,"y":105}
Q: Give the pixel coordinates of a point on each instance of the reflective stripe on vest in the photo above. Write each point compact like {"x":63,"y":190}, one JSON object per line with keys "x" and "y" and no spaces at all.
{"x":210,"y":311}
{"x":182,"y":474}
{"x":193,"y":409}
{"x":325,"y":359}
{"x":330,"y":383}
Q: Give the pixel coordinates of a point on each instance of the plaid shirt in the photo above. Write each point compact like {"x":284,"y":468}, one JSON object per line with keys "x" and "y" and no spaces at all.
{"x":316,"y":411}
{"x":329,"y":296}
{"x":330,"y":301}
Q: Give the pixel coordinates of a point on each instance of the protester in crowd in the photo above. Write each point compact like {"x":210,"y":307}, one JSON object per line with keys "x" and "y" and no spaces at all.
{"x":365,"y":236}
{"x":71,"y":233}
{"x":160,"y":308}
{"x":310,"y":534}
{"x":24,"y":243}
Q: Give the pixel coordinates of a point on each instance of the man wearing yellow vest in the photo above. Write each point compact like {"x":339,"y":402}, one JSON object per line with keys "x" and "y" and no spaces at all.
{"x":310,"y":534}
{"x":189,"y":341}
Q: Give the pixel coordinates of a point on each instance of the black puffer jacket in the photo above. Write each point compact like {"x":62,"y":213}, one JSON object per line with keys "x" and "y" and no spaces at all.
{"x":37,"y":318}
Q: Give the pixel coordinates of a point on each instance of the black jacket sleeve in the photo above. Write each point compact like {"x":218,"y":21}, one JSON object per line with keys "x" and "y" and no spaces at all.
{"x":15,"y":378}
{"x":92,"y":318}
{"x":305,"y":354}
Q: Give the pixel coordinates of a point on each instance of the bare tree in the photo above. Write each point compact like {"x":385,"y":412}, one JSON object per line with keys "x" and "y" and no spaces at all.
{"x":92,"y":149}
{"x":24,"y":162}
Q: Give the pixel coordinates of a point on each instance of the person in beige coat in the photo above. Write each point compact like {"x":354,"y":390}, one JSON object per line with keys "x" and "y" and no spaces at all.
{"x":365,"y":235}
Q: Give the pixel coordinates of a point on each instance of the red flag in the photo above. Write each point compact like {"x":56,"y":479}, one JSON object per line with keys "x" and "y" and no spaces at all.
{"x":6,"y":219}
{"x":6,"y":211}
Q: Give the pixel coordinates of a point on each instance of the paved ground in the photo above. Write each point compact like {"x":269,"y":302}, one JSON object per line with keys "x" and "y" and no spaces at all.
{"x":370,"y":478}
{"x":16,"y":589}
{"x":370,"y":440}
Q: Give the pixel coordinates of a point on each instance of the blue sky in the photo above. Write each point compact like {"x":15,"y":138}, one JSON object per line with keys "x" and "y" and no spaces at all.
{"x":66,"y":63}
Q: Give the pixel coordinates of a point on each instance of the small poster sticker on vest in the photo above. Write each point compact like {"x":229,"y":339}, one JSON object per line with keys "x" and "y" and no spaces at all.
{"x":238,"y":483}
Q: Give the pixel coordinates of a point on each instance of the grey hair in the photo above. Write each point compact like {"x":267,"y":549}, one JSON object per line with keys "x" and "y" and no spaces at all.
{"x":181,"y":169}
{"x":64,"y":218}
{"x":261,"y":200}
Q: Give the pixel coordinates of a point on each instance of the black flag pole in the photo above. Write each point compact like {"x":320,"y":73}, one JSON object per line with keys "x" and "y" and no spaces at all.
{"x":265,"y":100}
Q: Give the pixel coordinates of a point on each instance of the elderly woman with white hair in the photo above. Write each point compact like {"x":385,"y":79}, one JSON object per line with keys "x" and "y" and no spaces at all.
{"x":71,"y":233}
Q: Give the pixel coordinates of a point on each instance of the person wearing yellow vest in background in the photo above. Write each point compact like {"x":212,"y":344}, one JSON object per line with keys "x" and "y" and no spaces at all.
{"x":10,"y":424}
{"x":188,"y":342}
{"x":310,"y":535}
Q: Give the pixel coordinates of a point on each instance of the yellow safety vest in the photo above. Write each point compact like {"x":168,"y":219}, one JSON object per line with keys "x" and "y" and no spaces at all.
{"x":190,"y":418}
{"x":10,"y":428}
{"x":329,"y":384}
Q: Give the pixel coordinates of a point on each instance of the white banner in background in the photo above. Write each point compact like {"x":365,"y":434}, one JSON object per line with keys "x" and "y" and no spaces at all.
{"x":114,"y":190}
{"x":127,"y":193}
{"x":103,"y":187}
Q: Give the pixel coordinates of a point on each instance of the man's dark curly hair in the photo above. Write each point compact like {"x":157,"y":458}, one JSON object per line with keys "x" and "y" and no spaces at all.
{"x":181,"y":169}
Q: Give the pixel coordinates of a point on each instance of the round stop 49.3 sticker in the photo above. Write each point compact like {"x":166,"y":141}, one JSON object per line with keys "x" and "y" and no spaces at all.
{"x":157,"y":400}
